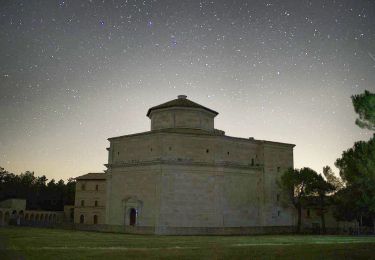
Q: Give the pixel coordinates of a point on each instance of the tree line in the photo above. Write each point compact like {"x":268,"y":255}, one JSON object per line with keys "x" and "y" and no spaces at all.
{"x":352,"y":194}
{"x":39,"y":193}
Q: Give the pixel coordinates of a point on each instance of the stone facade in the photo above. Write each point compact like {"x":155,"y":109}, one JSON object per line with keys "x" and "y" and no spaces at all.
{"x":186,"y":177}
{"x":90,"y":199}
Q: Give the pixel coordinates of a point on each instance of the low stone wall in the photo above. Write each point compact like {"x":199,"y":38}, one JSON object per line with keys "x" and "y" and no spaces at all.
{"x":115,"y":229}
{"x":186,"y":230}
{"x":224,"y":230}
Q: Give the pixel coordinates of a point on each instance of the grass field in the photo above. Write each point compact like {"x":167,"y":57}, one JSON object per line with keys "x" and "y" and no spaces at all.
{"x":39,"y":243}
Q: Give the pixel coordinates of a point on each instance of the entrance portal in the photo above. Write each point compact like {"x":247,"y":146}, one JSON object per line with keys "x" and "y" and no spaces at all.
{"x":133,"y":217}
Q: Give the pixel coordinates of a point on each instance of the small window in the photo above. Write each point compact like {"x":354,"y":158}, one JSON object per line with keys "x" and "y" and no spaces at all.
{"x":150,"y":149}
{"x":81,"y":219}
{"x":83,"y":187}
{"x":278,"y":197}
{"x":96,"y":187}
{"x":82,"y":203}
{"x":207,"y":151}
{"x":227,"y":153}
{"x":95,"y":219}
{"x":118,"y":153}
{"x":278,"y":169}
{"x":170,"y":148}
{"x":252,"y":161}
{"x":96,"y":203}
{"x":308,"y":213}
{"x":278,"y":213}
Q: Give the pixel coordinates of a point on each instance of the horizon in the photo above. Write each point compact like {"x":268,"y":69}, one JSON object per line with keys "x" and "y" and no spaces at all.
{"x":73,"y":74}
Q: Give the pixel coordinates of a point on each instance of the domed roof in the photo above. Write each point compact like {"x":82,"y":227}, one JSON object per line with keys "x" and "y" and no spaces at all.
{"x":181,"y":101}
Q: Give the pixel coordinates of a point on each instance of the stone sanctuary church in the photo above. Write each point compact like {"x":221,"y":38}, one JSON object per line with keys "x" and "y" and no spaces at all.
{"x":186,"y":177}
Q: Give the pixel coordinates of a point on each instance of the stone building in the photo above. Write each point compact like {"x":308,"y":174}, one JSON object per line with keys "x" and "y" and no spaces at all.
{"x":90,"y":199}
{"x":13,"y":211}
{"x":186,"y":177}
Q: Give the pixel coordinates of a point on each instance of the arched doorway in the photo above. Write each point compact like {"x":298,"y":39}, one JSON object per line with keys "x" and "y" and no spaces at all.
{"x":81,"y":219}
{"x":133,"y":217}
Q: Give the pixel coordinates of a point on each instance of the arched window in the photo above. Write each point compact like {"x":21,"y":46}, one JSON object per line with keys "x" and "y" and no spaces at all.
{"x":96,"y":203}
{"x":96,"y":187}
{"x":95,"y":219}
{"x":81,"y":219}
{"x":82,"y":203}
{"x":133,"y":217}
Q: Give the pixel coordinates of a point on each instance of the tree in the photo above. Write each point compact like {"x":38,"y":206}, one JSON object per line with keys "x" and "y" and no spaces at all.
{"x":364,"y":106}
{"x":38,"y":193}
{"x":321,"y":188}
{"x":297,"y":185}
{"x":357,"y":169}
{"x":332,"y":179}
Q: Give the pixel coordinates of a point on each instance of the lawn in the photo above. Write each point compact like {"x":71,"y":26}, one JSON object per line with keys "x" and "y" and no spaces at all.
{"x":42,"y":243}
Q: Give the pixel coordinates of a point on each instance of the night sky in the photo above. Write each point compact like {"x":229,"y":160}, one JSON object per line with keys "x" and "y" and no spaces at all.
{"x":74,"y":73}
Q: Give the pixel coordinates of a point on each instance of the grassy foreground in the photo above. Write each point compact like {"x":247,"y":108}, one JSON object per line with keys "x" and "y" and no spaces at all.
{"x":40,"y":243}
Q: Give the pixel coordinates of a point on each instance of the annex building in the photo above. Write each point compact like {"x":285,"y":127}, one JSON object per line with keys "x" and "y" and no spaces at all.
{"x":186,"y":177}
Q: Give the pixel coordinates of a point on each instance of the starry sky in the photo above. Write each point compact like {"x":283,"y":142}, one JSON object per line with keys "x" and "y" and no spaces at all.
{"x":74,"y":73}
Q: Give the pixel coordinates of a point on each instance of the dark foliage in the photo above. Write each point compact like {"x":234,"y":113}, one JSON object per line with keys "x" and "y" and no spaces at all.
{"x":39,"y":193}
{"x":364,"y":106}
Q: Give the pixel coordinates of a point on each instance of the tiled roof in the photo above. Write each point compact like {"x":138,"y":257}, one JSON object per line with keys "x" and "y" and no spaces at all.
{"x":92,"y":176}
{"x":181,"y":101}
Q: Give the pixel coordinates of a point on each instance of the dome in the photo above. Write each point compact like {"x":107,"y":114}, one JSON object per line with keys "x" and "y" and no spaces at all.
{"x":181,"y":101}
{"x":181,"y":113}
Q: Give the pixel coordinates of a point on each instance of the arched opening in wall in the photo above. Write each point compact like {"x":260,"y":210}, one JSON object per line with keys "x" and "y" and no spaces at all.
{"x":95,"y":219}
{"x":26,"y":216}
{"x":81,"y":219}
{"x":41,"y":217}
{"x":20,"y":218}
{"x":37,"y":217}
{"x":14,"y":217}
{"x":6,"y":217}
{"x":45,"y":217}
{"x":71,"y":217}
{"x":50,"y":218}
{"x":1,"y":218}
{"x":133,"y":217}
{"x":54,"y":217}
{"x":32,"y":217}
